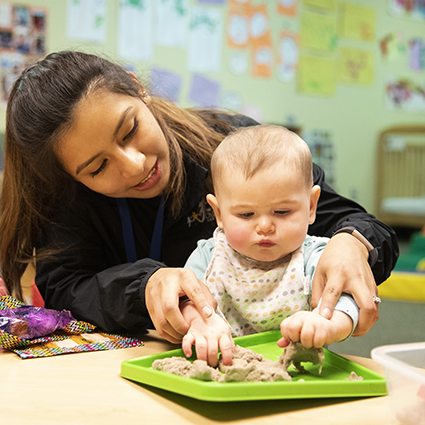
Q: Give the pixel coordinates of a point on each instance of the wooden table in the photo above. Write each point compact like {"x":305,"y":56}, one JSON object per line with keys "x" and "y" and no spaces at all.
{"x":86,"y":388}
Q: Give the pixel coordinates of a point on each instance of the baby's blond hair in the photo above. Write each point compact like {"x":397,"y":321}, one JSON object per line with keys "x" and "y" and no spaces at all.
{"x":252,"y":149}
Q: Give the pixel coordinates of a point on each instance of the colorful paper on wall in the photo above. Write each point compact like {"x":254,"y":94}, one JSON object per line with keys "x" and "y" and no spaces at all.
{"x":393,"y":46}
{"x":238,"y":28}
{"x":318,"y":31}
{"x":324,"y":4}
{"x":135,"y":29}
{"x":356,"y":66}
{"x":204,"y":91}
{"x":407,"y":8}
{"x":288,"y":55}
{"x":205,"y":36}
{"x":358,"y":22}
{"x":417,"y":54}
{"x":172,"y":19}
{"x":405,"y":95}
{"x":287,"y":7}
{"x":166,"y":84}
{"x":11,"y":66}
{"x":86,"y":20}
{"x":261,"y":41}
{"x":316,"y":76}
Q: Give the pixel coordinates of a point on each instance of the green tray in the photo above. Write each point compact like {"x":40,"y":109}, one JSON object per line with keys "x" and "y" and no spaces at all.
{"x":330,"y":383}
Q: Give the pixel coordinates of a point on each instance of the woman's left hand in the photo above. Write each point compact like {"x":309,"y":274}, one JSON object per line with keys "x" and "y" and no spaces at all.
{"x":343,"y":267}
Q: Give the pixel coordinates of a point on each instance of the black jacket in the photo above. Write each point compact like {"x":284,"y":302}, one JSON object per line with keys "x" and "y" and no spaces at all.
{"x":90,"y":275}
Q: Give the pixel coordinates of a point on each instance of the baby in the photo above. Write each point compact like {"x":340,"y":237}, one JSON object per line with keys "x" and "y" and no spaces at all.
{"x":261,"y":262}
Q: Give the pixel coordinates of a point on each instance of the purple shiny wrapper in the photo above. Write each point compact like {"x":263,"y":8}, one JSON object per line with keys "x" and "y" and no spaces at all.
{"x":28,"y":322}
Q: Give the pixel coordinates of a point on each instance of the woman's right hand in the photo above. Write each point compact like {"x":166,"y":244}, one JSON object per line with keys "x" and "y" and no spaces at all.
{"x":163,"y":290}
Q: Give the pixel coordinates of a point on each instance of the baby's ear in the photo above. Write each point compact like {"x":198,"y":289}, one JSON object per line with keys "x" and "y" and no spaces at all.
{"x":314,"y":199}
{"x":212,"y":200}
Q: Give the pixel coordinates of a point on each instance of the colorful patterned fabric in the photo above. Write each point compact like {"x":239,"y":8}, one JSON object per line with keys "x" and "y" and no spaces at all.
{"x":76,"y":337}
{"x":255,"y":296}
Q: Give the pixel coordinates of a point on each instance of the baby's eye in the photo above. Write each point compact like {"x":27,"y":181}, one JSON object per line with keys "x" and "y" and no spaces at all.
{"x":245,"y":215}
{"x":282,"y":212}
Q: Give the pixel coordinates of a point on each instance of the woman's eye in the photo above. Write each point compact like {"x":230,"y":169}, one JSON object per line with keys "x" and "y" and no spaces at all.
{"x":132,"y":131}
{"x":102,"y":166}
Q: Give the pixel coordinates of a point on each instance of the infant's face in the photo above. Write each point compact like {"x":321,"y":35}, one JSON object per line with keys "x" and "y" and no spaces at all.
{"x":267,"y":216}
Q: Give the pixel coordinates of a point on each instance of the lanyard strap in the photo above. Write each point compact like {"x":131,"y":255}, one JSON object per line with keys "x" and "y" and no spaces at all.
{"x":127,"y":229}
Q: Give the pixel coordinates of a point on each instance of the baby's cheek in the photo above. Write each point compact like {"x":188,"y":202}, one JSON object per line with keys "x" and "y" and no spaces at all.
{"x":238,"y":238}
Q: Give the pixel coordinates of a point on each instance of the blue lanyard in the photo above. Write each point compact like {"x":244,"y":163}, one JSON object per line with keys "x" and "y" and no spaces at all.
{"x":127,"y":229}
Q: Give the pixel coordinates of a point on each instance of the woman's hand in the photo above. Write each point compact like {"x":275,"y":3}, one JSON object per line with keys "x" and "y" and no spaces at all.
{"x":162,"y":294}
{"x":343,"y":267}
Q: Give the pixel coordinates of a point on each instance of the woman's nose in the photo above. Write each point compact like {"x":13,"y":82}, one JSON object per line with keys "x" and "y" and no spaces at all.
{"x":131,"y":162}
{"x":265,"y":225}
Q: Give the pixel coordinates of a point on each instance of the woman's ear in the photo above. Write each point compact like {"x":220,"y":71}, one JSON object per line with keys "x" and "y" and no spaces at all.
{"x":145,"y":96}
{"x":314,"y":199}
{"x":212,"y":200}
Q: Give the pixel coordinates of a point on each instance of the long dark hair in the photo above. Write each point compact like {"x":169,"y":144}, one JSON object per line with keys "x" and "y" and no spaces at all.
{"x":40,"y":110}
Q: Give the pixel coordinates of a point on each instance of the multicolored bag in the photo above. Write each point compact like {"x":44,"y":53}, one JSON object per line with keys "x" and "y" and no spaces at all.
{"x":70,"y":336}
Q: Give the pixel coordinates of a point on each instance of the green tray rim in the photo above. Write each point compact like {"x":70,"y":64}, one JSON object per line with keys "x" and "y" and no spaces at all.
{"x":139,"y":370}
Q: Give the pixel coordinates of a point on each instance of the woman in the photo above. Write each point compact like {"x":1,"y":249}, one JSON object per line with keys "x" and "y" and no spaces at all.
{"x":109,"y":185}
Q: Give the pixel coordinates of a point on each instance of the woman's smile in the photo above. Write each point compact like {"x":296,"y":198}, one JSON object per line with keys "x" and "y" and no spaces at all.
{"x":151,"y":179}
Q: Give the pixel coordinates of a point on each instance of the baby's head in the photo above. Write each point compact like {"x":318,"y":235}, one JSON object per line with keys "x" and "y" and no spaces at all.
{"x":264,"y":194}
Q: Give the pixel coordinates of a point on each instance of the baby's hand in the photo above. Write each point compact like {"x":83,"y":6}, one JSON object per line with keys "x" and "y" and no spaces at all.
{"x":209,"y":335}
{"x":313,"y":330}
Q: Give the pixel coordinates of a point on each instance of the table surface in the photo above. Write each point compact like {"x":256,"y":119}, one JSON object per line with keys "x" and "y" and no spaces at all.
{"x":86,"y":388}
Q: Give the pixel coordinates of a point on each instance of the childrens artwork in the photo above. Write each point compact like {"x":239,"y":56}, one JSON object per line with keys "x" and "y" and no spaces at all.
{"x":329,"y":5}
{"x":11,"y":66}
{"x":204,"y":91}
{"x":237,"y":34}
{"x":405,"y":95}
{"x":316,"y":76}
{"x":261,"y":41}
{"x":356,"y":66}
{"x":166,"y":84}
{"x":172,"y":18}
{"x":23,"y":29}
{"x":135,"y":29}
{"x":86,"y":20}
{"x":70,"y":336}
{"x":287,"y":7}
{"x":288,"y":54}
{"x":407,"y":8}
{"x":358,"y":22}
{"x":417,"y":54}
{"x":205,"y":36}
{"x":318,"y":31}
{"x":393,"y":46}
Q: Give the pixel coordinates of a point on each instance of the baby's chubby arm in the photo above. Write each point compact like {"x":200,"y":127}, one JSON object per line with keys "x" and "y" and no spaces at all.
{"x":207,"y":335}
{"x":313,"y":330}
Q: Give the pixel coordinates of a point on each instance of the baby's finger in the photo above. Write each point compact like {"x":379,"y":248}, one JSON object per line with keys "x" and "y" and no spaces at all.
{"x":226,"y":347}
{"x":187,"y":342}
{"x":201,"y":348}
{"x":212,"y":352}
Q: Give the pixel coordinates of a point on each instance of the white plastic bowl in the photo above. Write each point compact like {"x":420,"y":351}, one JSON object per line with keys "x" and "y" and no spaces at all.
{"x":405,"y":373}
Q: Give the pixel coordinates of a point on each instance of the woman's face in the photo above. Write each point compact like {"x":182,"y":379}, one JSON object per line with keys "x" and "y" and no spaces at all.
{"x":115,"y":147}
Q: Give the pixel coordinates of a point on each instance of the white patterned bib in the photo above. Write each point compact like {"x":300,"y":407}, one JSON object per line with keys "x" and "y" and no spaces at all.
{"x":255,"y":296}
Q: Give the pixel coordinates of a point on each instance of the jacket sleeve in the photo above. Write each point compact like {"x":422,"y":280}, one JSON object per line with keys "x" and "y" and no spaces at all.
{"x":335,"y":211}
{"x":95,"y":285}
